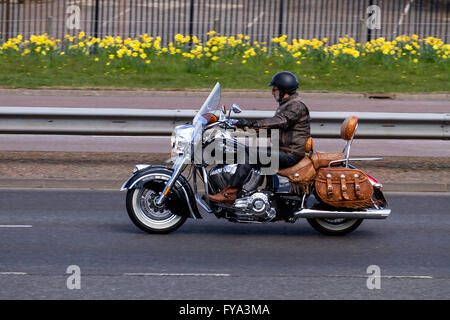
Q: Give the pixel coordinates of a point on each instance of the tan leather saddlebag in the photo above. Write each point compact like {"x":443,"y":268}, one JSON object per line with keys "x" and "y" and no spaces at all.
{"x":344,"y":187}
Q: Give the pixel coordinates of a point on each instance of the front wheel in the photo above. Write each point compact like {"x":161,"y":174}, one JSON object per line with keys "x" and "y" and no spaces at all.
{"x":334,"y":227}
{"x":147,"y":216}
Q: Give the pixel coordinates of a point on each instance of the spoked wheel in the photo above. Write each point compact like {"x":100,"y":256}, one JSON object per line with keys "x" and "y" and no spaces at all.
{"x":334,"y":227}
{"x":147,"y":215}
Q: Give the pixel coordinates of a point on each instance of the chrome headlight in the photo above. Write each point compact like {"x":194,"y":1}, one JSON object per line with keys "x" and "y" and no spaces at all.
{"x":181,"y":139}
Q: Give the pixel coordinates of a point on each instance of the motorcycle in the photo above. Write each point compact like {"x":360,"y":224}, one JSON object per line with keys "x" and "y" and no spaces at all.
{"x":324,"y":188}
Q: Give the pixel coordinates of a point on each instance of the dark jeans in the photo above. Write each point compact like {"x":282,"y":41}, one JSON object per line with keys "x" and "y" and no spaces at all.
{"x":285,"y":160}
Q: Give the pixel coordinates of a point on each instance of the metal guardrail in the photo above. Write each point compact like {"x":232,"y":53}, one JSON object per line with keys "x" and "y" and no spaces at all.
{"x":160,"y":122}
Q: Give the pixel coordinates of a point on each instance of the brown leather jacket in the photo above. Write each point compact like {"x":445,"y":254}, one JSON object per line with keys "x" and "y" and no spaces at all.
{"x":293,"y":120}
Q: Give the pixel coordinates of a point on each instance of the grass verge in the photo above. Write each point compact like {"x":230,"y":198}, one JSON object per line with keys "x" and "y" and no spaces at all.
{"x":174,"y":73}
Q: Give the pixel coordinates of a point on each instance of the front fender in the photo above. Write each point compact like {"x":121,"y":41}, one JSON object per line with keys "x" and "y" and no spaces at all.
{"x":138,"y":177}
{"x":182,"y":187}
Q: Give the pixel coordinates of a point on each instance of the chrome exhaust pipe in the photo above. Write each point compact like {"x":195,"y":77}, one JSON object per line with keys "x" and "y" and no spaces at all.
{"x":363,"y":214}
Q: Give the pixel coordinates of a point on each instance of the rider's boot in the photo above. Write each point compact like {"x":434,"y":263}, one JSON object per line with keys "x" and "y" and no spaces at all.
{"x":227,"y":195}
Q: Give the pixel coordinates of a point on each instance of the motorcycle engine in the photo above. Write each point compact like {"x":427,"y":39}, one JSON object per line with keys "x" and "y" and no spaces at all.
{"x":256,"y":207}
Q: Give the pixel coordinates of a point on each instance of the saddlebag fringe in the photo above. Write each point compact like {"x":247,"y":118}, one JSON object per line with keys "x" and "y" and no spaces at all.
{"x":300,"y":188}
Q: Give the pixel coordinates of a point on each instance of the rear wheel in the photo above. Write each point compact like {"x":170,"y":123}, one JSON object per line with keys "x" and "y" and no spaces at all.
{"x":147,"y":215}
{"x":334,"y":227}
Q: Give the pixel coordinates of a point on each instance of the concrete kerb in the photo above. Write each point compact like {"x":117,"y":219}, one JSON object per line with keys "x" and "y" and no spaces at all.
{"x":225,"y":93}
{"x":82,"y":184}
{"x":85,"y":184}
{"x":416,"y":187}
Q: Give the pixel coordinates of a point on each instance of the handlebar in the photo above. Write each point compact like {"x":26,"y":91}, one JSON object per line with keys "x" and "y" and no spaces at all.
{"x":227,"y":123}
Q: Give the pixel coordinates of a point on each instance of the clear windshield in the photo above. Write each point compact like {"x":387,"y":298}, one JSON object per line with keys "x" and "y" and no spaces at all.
{"x":188,"y":136}
{"x":211,"y":105}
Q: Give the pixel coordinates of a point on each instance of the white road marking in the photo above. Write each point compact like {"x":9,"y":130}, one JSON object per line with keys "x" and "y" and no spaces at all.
{"x":179,"y":274}
{"x":404,"y":277}
{"x":15,"y":226}
{"x":13,"y":273}
{"x":387,"y":277}
{"x":229,"y":275}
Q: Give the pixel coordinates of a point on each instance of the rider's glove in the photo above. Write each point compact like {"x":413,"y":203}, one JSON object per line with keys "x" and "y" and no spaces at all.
{"x":241,"y":123}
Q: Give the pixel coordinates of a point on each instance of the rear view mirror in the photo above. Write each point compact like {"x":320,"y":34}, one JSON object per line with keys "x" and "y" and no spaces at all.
{"x":236,"y":108}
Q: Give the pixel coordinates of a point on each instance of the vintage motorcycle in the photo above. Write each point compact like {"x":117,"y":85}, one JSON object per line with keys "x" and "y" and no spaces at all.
{"x":334,"y":196}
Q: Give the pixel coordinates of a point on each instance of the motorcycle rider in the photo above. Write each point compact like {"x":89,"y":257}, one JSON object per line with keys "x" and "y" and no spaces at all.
{"x":291,"y":118}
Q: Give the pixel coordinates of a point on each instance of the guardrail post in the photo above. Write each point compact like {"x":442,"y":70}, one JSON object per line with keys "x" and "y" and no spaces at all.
{"x":216,"y":25}
{"x":362,"y":34}
{"x":7,"y":14}
{"x":96,"y":18}
{"x":369,"y":31}
{"x":191,"y":19}
{"x":50,"y":26}
{"x":280,"y":19}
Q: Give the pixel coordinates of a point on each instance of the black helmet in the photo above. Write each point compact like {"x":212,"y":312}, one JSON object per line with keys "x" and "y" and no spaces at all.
{"x":285,"y":81}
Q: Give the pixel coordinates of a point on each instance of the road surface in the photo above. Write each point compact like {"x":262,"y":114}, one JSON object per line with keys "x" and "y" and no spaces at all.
{"x":44,"y":232}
